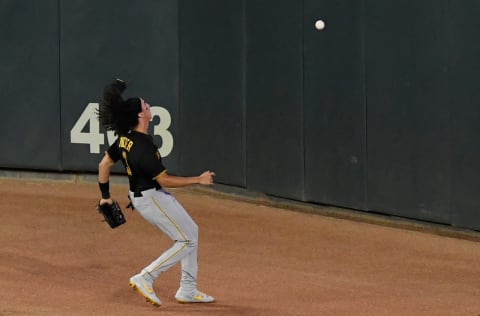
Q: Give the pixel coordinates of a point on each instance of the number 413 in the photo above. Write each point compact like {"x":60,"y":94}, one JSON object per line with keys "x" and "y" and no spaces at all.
{"x":95,"y":138}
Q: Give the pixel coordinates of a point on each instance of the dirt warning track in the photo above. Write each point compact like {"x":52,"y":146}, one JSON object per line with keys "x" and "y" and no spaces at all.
{"x":58,"y":258}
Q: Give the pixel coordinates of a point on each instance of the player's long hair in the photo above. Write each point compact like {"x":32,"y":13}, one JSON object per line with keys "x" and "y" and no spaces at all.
{"x":116,"y":114}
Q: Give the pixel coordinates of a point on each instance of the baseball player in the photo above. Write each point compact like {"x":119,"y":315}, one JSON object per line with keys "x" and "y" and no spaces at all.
{"x":147,"y":179}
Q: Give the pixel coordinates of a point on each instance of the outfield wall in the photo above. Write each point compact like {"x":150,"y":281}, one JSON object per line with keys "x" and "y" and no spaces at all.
{"x":376,"y":112}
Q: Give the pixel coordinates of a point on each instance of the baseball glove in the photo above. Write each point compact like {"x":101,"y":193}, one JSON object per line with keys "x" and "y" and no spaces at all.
{"x":112,"y":213}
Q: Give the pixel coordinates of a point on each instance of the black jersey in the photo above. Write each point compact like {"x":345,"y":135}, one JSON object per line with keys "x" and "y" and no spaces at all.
{"x":140,"y":157}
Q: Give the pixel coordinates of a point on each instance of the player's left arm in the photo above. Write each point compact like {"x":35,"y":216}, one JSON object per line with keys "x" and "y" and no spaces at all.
{"x":153,"y":162}
{"x":170,"y":181}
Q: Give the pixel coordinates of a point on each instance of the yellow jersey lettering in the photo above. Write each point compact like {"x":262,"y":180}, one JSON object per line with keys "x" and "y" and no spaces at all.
{"x":125,"y":143}
{"x":127,"y":166}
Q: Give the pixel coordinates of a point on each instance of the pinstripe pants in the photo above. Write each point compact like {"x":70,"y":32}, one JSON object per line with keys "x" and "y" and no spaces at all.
{"x":163,"y":211}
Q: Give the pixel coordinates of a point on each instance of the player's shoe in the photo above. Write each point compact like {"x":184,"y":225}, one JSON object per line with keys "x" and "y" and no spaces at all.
{"x":193,"y":297}
{"x":145,"y":288}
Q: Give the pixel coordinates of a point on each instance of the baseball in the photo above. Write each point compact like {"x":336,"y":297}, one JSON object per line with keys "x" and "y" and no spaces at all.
{"x":319,"y":25}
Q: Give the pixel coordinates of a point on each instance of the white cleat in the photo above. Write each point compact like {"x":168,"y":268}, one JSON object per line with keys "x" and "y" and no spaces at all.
{"x":145,"y":288}
{"x":193,"y":297}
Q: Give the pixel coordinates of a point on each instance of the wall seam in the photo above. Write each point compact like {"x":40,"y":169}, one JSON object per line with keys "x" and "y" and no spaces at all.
{"x":60,"y":167}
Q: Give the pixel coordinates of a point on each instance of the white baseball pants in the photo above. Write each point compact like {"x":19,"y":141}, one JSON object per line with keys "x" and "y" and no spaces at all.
{"x":162,"y":210}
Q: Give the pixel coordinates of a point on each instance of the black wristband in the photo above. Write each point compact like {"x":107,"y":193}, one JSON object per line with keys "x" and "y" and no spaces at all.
{"x":105,"y":189}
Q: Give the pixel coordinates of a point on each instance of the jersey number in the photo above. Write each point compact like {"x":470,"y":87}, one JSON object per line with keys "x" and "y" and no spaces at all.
{"x":94,"y":138}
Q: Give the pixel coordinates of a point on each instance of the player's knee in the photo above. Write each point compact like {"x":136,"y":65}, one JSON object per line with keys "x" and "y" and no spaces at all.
{"x":192,"y":243}
{"x":189,"y":243}
{"x":191,"y":237}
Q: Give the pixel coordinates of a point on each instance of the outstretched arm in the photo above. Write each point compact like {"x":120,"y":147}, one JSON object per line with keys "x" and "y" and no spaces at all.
{"x":169,"y":181}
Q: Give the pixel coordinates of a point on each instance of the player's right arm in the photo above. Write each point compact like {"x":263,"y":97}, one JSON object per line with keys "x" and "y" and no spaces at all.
{"x":104,"y":168}
{"x":104,"y":174}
